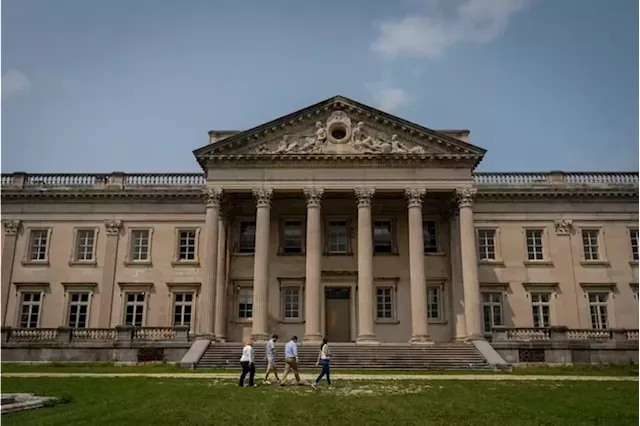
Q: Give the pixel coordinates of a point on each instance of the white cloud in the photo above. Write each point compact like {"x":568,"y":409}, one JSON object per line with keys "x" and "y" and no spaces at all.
{"x":430,"y":33}
{"x":390,"y":98}
{"x":14,"y":83}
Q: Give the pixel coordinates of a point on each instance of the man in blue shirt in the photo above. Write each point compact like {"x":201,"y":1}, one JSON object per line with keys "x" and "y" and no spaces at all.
{"x":291,"y":360}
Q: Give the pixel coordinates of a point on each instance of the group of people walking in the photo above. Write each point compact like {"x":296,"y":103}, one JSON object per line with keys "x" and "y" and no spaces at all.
{"x":247,"y":361}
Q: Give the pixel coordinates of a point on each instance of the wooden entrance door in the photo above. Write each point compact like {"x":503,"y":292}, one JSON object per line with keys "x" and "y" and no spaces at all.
{"x":337,"y":314}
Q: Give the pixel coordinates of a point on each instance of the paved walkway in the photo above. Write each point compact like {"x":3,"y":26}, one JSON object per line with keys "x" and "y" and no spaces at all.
{"x":338,"y":376}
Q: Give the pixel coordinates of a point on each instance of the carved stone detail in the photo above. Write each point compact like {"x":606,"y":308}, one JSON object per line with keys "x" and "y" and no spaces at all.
{"x":415,"y":197}
{"x":113,"y":226}
{"x":465,"y":196}
{"x":563,"y":226}
{"x":11,"y":227}
{"x":212,"y":197}
{"x":313,"y":196}
{"x":263,"y":196}
{"x":364,"y":196}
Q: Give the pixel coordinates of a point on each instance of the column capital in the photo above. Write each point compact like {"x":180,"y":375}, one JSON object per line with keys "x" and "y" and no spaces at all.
{"x":364,"y":196}
{"x":465,"y":196}
{"x":11,"y":227}
{"x":313,"y":196}
{"x":415,"y":196}
{"x":112,"y":226}
{"x":212,"y":197}
{"x":263,"y":196}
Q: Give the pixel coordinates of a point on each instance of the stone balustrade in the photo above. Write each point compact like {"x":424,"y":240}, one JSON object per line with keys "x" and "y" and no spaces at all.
{"x":21,"y":180}
{"x":529,"y":334}
{"x":120,"y":333}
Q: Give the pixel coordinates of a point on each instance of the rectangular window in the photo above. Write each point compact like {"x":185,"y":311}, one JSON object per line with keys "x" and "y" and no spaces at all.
{"x":429,"y":236}
{"x":486,"y":244}
{"x":634,"y":243}
{"x":434,"y":303}
{"x":134,"y":309}
{"x":38,"y":244}
{"x":140,"y":245}
{"x":187,"y":240}
{"x":384,"y":299}
{"x":491,"y":310}
{"x":590,"y":244}
{"x":541,"y":309}
{"x":245,"y":303}
{"x":292,"y":231}
{"x":534,"y":244}
{"x":291,"y":303}
{"x":30,"y":307}
{"x":382,"y":236}
{"x":182,"y":308}
{"x":338,"y":238}
{"x":85,"y":244}
{"x":598,"y":309}
{"x":247,"y":237}
{"x":78,"y":316}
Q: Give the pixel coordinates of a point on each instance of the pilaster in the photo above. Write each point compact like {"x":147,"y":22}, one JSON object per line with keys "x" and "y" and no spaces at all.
{"x":112,"y":229}
{"x":10,"y":229}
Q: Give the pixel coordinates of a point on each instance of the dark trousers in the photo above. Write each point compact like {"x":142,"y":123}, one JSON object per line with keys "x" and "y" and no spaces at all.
{"x":326,"y":371}
{"x":247,"y":367}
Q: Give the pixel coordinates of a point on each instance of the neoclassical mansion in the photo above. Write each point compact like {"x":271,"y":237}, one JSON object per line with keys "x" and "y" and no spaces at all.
{"x":337,"y":220}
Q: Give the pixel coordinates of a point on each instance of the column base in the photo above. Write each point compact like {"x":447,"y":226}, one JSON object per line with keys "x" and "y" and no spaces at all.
{"x":369,"y":339}
{"x":205,"y":336}
{"x":312,"y":339}
{"x":221,"y":339}
{"x":421,"y":340}
{"x":473,"y":337}
{"x":260,"y":337}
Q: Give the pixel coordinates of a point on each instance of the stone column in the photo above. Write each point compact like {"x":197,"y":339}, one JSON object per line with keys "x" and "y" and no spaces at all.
{"x":10,"y":228}
{"x":261,"y":264}
{"x":112,"y":230}
{"x":212,"y":199}
{"x":469,"y":261}
{"x":221,"y":281}
{"x":365,"y":267}
{"x":312,"y":333}
{"x":457,"y":292}
{"x":419,"y":332}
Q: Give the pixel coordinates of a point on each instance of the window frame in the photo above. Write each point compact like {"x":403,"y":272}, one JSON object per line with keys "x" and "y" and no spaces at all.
{"x":327,"y":236}
{"x":537,"y":308}
{"x":392,"y":286}
{"x":442,"y":302}
{"x":34,"y":288}
{"x":634,"y":257}
{"x":394,"y":240}
{"x":148,"y":261}
{"x":26,"y":260}
{"x":600,"y":288}
{"x":602,"y":253}
{"x":178,"y":287}
{"x":74,"y":260}
{"x":77,"y":287}
{"x":196,"y":250}
{"x":238,"y":286}
{"x":303,"y":235}
{"x":496,"y":244}
{"x":546,"y":254}
{"x":599,"y":306}
{"x":237,"y":227}
{"x":287,"y":284}
{"x":493,"y":289}
{"x":129,"y":287}
{"x":439,"y":234}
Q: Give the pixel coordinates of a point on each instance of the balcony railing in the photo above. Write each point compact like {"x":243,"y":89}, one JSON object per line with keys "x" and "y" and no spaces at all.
{"x":530,"y":334}
{"x":191,"y":180}
{"x":120,"y":333}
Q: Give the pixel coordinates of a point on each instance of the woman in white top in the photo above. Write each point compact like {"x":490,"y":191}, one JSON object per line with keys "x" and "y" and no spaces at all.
{"x":324,"y":357}
{"x":247,"y":362}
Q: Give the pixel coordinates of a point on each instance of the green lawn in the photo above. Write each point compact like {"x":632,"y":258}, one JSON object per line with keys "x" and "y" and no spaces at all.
{"x":597,"y":370}
{"x":142,"y":401}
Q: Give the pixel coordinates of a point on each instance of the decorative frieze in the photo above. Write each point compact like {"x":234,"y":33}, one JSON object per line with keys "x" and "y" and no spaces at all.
{"x":563,"y":226}
{"x":263,"y":196}
{"x":212,"y":197}
{"x":414,"y":197}
{"x":465,"y":196}
{"x":313,"y":196}
{"x":11,"y":227}
{"x":112,"y":227}
{"x":364,"y":196}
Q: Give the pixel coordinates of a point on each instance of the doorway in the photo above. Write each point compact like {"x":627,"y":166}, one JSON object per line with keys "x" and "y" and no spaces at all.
{"x":338,"y":314}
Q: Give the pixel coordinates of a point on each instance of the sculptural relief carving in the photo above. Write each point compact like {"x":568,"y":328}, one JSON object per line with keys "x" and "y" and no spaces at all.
{"x":364,"y":196}
{"x":563,"y":226}
{"x":414,"y":197}
{"x":11,"y":227}
{"x":112,"y":226}
{"x":212,"y":197}
{"x":465,"y":196}
{"x":313,"y":196}
{"x":263,"y":196}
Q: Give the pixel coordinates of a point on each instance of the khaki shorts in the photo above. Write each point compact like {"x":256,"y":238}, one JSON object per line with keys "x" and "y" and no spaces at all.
{"x":271,"y":364}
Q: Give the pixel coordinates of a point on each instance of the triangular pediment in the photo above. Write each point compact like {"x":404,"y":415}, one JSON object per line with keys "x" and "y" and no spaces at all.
{"x":340,"y":126}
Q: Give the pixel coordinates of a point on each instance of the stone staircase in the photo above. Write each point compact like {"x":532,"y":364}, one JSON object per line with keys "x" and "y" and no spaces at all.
{"x":440,"y":356}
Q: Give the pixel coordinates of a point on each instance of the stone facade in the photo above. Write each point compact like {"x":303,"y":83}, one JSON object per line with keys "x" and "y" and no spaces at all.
{"x":337,"y":219}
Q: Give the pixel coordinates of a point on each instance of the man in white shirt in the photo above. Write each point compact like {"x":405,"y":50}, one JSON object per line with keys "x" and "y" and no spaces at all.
{"x":291,"y":360}
{"x":270,"y":354}
{"x":247,"y":361}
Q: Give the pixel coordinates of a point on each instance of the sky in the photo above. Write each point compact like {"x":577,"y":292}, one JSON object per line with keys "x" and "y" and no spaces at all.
{"x":134,"y":85}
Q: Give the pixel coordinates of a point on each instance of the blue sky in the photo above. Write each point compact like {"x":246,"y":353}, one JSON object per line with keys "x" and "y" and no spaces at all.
{"x":134,"y":85}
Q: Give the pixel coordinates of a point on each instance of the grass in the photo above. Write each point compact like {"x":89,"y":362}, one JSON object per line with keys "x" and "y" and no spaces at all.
{"x":77,"y":367}
{"x":140,"y":401}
